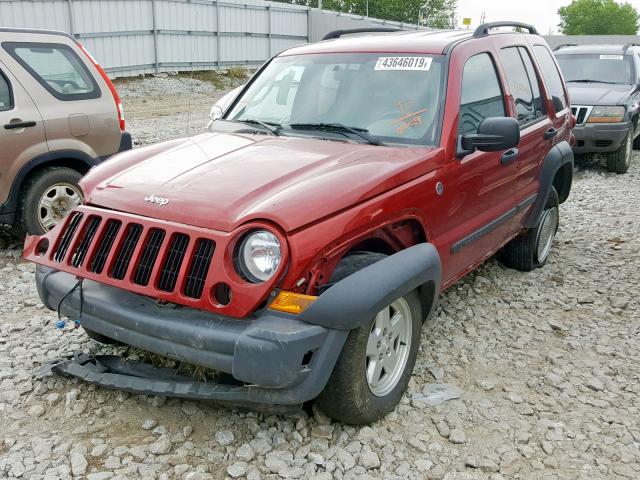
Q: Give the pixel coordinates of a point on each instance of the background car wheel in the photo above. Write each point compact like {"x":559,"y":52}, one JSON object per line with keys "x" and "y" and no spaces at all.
{"x":620,"y":160}
{"x":531,"y":249}
{"x":47,"y":197}
{"x":98,"y":337}
{"x":376,"y":362}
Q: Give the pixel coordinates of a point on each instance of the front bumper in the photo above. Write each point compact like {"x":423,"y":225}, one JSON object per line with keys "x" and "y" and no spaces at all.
{"x":273,"y":357}
{"x":599,"y":137}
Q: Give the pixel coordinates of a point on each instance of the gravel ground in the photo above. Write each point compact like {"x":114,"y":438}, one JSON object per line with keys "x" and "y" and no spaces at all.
{"x":546,"y":364}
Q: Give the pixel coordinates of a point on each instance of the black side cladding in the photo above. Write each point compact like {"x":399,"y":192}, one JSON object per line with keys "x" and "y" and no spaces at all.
{"x":559,"y":155}
{"x":363,"y":294}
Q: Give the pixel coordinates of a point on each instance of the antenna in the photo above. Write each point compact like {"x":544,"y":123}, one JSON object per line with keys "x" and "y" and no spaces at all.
{"x":193,"y":55}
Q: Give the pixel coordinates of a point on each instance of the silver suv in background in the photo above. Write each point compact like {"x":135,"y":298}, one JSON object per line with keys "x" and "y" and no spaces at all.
{"x":60,"y":115}
{"x":604,"y":90}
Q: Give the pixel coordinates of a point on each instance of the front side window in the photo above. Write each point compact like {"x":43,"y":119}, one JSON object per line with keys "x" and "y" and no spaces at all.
{"x":395,"y":98}
{"x":551,"y":77}
{"x":481,"y":95}
{"x":596,"y":68}
{"x":6,"y":101}
{"x":57,"y":68}
{"x":523,"y":84}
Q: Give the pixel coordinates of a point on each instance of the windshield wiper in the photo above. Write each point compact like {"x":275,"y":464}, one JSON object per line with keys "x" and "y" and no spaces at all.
{"x":591,"y":81}
{"x":272,"y":127}
{"x":363,"y":133}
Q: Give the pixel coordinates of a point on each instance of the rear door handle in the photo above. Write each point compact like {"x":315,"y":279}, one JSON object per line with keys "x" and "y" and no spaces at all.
{"x":509,"y":156}
{"x":16,"y":125}
{"x":552,"y":132}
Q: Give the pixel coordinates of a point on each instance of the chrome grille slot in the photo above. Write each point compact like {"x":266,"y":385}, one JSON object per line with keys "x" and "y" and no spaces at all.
{"x":148,"y":256}
{"x":104,"y":247}
{"x":80,"y":252}
{"x":123,"y":257}
{"x":69,"y":233}
{"x":200,"y":262}
{"x":173,"y":262}
{"x":581,"y":114}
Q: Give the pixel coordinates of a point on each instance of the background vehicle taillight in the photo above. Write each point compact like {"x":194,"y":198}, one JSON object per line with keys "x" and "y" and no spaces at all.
{"x":112,"y":88}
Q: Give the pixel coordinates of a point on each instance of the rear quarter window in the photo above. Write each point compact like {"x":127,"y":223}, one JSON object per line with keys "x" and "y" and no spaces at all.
{"x":57,"y":68}
{"x":6,"y":100}
{"x":551,"y":77}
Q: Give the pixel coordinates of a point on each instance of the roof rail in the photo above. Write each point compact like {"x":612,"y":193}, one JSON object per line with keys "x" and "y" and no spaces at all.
{"x":563,"y":45}
{"x":339,"y":33}
{"x":483,"y":29}
{"x":628,"y":45}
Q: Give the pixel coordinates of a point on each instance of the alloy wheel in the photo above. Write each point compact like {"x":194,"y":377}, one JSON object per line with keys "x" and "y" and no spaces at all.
{"x":56,"y":202}
{"x":546,"y":232}
{"x":388,"y":347}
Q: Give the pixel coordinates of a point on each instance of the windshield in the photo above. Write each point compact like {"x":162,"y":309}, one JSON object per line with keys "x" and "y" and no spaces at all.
{"x":394,"y":98}
{"x":597,"y":68}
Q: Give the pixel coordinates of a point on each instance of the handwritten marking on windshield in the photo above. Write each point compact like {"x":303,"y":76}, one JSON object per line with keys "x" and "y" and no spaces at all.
{"x":409,"y":120}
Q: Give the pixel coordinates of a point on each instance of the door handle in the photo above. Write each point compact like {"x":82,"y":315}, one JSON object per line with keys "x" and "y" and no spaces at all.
{"x":509,"y":156}
{"x":552,"y":132}
{"x":16,"y":125}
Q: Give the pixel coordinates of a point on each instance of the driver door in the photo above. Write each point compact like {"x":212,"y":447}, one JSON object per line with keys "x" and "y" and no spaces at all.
{"x":480,"y":185}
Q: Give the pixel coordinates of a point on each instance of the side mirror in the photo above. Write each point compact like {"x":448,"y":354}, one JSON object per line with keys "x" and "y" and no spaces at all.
{"x":218,"y":109}
{"x":494,"y":134}
{"x":215,"y":113}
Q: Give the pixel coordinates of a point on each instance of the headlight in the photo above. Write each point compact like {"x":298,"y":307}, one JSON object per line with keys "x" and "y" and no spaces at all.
{"x":259,"y":256}
{"x":601,"y":114}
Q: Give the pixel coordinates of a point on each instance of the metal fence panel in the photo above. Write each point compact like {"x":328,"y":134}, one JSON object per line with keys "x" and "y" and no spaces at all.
{"x":132,"y":37}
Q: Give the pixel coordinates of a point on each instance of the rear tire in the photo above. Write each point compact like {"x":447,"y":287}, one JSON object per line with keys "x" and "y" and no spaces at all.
{"x":377,"y":360}
{"x":531,"y":249}
{"x":47,"y":197}
{"x":620,"y":160}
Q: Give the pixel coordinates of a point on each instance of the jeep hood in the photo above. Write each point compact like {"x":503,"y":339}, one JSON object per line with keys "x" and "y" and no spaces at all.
{"x":598,"y":93}
{"x":220,"y":180}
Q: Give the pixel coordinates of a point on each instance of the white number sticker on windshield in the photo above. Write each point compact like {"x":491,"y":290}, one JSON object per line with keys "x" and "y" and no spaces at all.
{"x":611,"y":57}
{"x":404,"y":63}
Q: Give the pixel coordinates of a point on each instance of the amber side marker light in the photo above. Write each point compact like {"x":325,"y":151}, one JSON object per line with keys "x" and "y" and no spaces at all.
{"x":291,"y":302}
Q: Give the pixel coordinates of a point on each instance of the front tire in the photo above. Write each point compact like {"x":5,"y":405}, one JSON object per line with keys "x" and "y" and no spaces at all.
{"x":620,"y":160}
{"x":376,"y":362}
{"x":531,"y":249}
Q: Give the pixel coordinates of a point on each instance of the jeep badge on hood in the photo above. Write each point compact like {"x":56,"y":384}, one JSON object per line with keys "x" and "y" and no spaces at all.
{"x":157,"y":200}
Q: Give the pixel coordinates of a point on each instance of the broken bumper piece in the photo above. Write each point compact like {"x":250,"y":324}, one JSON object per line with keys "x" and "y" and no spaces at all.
{"x":111,"y":371}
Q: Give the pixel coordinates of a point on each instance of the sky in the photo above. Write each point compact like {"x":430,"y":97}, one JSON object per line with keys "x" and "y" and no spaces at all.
{"x":542,"y":14}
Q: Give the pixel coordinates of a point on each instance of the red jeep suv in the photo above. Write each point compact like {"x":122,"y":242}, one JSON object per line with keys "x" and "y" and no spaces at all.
{"x":297,"y":248}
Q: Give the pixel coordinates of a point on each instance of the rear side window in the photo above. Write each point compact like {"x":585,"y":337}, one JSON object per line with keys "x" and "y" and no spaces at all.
{"x":551,"y":76}
{"x":6,"y":100}
{"x":57,"y":67}
{"x":481,"y":95}
{"x":523,"y":84}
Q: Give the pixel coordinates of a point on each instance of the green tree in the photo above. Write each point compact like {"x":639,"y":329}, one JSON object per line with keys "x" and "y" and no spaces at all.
{"x":598,"y":17}
{"x":429,"y":13}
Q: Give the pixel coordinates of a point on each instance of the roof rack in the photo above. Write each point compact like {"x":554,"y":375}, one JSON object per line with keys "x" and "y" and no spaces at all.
{"x":628,"y":45}
{"x":483,"y":29}
{"x":563,"y":45}
{"x":339,"y":33}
